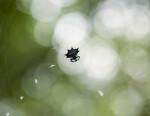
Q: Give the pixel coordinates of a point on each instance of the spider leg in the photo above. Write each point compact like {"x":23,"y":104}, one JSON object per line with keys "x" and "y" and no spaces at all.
{"x":78,"y":58}
{"x":75,"y":59}
{"x":72,"y":60}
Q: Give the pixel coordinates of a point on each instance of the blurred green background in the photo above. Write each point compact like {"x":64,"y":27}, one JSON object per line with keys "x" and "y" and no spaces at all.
{"x":112,"y":77}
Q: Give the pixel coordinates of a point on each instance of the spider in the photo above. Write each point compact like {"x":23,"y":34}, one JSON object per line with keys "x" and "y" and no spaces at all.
{"x":72,"y":54}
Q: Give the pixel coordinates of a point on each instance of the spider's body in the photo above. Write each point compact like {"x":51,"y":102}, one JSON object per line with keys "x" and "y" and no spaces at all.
{"x":72,"y":54}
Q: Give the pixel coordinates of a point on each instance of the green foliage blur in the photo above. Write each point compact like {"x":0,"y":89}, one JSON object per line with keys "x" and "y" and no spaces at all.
{"x":58,"y":93}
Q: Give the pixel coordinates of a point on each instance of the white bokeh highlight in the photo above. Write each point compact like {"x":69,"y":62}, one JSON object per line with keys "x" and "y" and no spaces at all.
{"x":100,"y":93}
{"x":98,"y":63}
{"x":36,"y":81}
{"x":7,"y":114}
{"x":6,"y":109}
{"x":136,"y":63}
{"x":101,"y":63}
{"x":21,"y":97}
{"x":63,"y":3}
{"x":44,"y":10}
{"x":118,"y":18}
{"x":70,"y":30}
{"x":140,"y":25}
{"x":115,"y":18}
{"x":51,"y":66}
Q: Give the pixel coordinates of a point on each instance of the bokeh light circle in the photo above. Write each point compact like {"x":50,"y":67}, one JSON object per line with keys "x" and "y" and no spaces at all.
{"x":36,"y":83}
{"x":115,"y":19}
{"x":136,"y":63}
{"x":6,"y":109}
{"x":101,"y":63}
{"x":126,"y":104}
{"x":71,"y":29}
{"x":63,"y":3}
{"x":44,"y":10}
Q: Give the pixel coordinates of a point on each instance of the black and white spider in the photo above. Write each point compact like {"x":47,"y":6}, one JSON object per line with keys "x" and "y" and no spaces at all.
{"x":72,"y":54}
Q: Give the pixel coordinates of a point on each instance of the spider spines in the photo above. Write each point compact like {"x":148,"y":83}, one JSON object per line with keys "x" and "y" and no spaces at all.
{"x":72,"y":54}
{"x":66,"y":55}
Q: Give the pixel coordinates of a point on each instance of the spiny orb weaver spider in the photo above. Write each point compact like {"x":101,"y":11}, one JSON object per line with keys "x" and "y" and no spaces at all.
{"x":72,"y":54}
